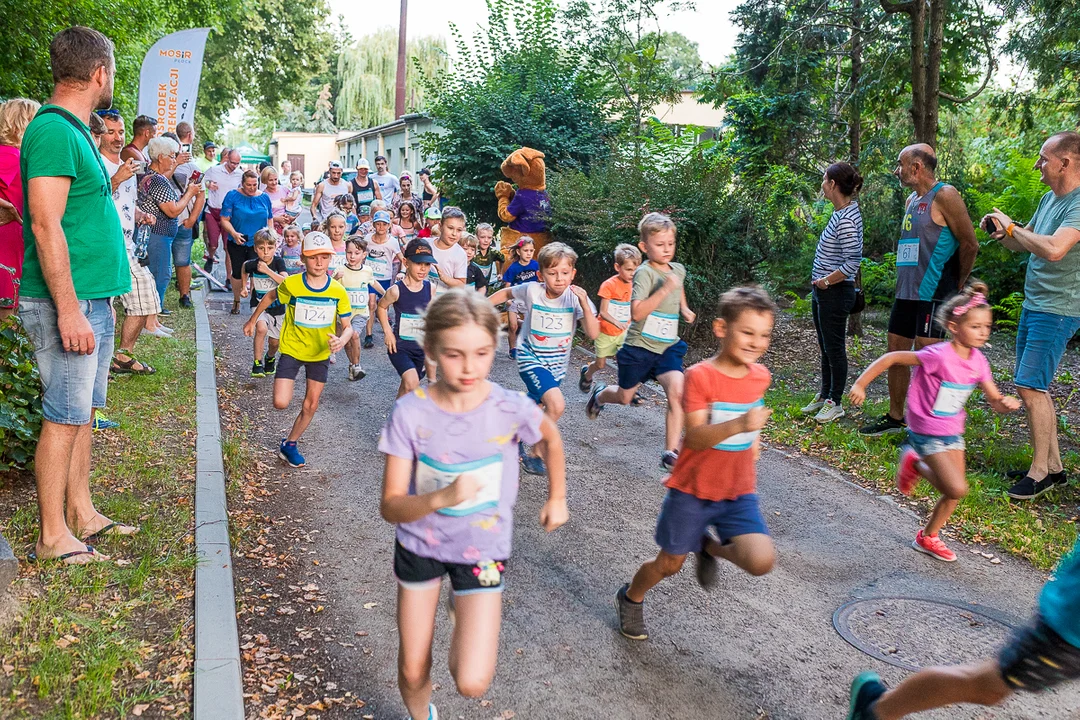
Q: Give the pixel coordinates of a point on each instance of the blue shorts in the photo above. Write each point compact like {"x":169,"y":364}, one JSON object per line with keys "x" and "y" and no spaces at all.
{"x":934,"y":444}
{"x":181,"y":247}
{"x":1041,"y":338}
{"x":71,"y":384}
{"x":684,"y":520}
{"x":636,"y":365}
{"x":538,"y":380}
{"x":409,"y":356}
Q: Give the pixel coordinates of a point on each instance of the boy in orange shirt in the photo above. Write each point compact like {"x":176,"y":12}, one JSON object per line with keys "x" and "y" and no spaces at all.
{"x":614,"y":312}
{"x":713,"y":483}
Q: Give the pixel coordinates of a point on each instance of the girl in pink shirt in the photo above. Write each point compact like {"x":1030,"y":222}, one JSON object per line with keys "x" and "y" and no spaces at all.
{"x":944,"y":375}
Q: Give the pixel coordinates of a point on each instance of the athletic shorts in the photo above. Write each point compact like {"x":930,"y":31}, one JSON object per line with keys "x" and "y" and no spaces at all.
{"x":934,"y":444}
{"x":288,"y":368}
{"x":1041,"y":338}
{"x":414,"y":572}
{"x":273,"y":325}
{"x":409,"y":357}
{"x":684,"y":520}
{"x":607,"y":345}
{"x":636,"y":364}
{"x":1037,"y":658}
{"x":359,"y":324}
{"x":538,"y":380}
{"x":915,"y":318}
{"x":238,"y":255}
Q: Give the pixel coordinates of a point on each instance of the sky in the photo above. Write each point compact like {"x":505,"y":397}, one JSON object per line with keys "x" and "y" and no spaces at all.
{"x":708,"y":26}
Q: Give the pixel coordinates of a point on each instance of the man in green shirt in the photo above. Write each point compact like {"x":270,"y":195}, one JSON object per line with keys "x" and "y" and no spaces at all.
{"x":75,"y":263}
{"x":1051,"y":312}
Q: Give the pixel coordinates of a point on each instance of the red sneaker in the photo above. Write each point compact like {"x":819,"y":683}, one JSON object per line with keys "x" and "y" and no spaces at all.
{"x":907,"y":477}
{"x":932,"y":546}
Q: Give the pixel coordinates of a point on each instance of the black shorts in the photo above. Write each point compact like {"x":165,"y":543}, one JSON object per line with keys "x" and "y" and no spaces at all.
{"x":915,"y":318}
{"x":409,"y":356}
{"x":415,"y":572}
{"x":238,"y":255}
{"x":1037,"y":658}
{"x":288,"y":368}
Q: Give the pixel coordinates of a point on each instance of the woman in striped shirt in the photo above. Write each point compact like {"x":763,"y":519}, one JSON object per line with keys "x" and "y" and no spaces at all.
{"x":836,"y":260}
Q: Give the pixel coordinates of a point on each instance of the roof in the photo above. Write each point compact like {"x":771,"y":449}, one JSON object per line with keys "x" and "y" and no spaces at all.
{"x":400,"y":122}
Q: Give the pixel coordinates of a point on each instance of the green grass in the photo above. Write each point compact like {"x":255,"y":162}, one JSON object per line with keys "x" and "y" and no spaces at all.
{"x":1040,"y":531}
{"x":98,"y":641}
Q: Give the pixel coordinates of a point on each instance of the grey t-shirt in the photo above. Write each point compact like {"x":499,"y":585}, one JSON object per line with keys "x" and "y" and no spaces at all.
{"x":660,"y":330}
{"x":1054,"y":287}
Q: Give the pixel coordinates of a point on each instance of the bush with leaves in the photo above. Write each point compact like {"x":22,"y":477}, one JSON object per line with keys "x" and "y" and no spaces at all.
{"x":20,"y":396}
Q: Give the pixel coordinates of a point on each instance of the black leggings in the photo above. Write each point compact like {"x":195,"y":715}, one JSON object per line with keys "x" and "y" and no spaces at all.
{"x":831,"y":308}
{"x":238,"y":255}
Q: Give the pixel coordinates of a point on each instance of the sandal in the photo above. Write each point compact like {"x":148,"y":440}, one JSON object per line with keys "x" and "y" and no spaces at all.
{"x":32,"y":557}
{"x":113,"y":528}
{"x":235,"y":308}
{"x":127,"y":367}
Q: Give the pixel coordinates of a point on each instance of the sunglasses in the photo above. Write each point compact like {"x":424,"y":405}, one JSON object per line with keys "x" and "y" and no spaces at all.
{"x":110,"y":113}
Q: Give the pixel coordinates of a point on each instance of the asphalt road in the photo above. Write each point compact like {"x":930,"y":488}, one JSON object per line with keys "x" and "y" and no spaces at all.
{"x":754,"y":648}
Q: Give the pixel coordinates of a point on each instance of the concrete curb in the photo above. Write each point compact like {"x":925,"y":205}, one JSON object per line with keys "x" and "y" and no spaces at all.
{"x":218,"y":684}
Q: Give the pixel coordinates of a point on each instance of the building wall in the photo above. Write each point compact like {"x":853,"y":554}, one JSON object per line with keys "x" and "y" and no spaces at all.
{"x":688,"y":111}
{"x":399,"y":142}
{"x":317,"y":149}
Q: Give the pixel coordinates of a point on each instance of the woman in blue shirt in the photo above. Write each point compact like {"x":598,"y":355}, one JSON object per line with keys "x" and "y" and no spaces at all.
{"x":243,"y":213}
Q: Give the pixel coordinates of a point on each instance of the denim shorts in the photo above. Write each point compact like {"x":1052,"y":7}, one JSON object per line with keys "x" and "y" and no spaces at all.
{"x":181,"y":247}
{"x":684,"y":519}
{"x":1041,"y":338}
{"x":934,"y":444}
{"x":538,"y":380}
{"x":636,"y":364}
{"x":71,"y":384}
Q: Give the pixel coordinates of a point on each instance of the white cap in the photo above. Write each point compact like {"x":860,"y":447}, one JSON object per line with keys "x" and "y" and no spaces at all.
{"x":317,"y":243}
{"x":363,"y":163}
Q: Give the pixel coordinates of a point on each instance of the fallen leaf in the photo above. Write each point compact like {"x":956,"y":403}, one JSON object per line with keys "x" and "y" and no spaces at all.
{"x":138,"y":710}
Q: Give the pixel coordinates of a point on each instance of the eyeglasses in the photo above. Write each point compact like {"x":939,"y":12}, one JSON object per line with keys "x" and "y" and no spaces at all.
{"x":111,"y":113}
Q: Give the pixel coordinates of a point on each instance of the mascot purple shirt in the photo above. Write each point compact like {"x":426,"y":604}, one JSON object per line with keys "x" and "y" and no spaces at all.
{"x":532,"y":208}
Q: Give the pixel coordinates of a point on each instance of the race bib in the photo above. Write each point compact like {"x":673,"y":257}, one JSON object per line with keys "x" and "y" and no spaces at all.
{"x":337,"y":260}
{"x":432,"y":475}
{"x":411,"y":327}
{"x":551,"y":328}
{"x":315,"y":313}
{"x":662,"y":327}
{"x":358,"y":299}
{"x":907,"y":254}
{"x":951,"y":399}
{"x":263,"y":284}
{"x":722,"y":412}
{"x":293,"y":265}
{"x":620,"y":310}
{"x":380,"y":266}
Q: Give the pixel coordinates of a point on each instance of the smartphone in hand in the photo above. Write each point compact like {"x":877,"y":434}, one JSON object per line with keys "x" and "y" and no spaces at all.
{"x":990,"y":226}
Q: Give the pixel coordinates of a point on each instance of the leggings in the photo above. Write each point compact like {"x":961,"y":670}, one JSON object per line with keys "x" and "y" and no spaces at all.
{"x":831,"y":308}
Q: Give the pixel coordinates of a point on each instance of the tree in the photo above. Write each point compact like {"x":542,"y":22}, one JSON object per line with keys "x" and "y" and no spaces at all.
{"x":680,"y":54}
{"x":322,"y":121}
{"x":366,"y":72}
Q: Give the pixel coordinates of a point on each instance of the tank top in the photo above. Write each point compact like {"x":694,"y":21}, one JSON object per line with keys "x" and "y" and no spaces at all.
{"x":363,"y":195}
{"x":927,"y":261}
{"x":410,"y":306}
{"x":329,"y":194}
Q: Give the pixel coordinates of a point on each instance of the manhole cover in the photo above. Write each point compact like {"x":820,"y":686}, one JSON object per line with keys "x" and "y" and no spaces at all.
{"x":914,"y":633}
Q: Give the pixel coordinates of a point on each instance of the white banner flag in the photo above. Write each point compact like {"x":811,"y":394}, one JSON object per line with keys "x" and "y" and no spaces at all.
{"x":169,"y":80}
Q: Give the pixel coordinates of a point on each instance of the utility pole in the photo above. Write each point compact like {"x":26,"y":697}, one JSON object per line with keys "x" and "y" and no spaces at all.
{"x":399,"y":88}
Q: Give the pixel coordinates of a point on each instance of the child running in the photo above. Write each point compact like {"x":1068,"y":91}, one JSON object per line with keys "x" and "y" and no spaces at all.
{"x":384,"y":258}
{"x":1037,"y":657}
{"x":358,"y":281}
{"x":346,"y":205}
{"x":945,"y":375}
{"x":410,"y":297}
{"x":475,"y":279}
{"x":450,"y":486}
{"x":653,"y":349}
{"x":314,"y":302}
{"x":335,"y":229}
{"x":488,"y":258}
{"x":290,"y":250}
{"x":551,"y":313}
{"x":264,"y":273}
{"x":714,"y":483}
{"x":523,"y":268}
{"x":614,"y":312}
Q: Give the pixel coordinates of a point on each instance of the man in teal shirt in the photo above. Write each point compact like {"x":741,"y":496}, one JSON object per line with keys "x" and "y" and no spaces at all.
{"x":75,"y":263}
{"x":1051,"y":312}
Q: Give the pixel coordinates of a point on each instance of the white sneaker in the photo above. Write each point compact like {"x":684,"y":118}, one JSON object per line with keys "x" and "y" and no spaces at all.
{"x":829,"y":411}
{"x":814,"y":405}
{"x":156,"y":332}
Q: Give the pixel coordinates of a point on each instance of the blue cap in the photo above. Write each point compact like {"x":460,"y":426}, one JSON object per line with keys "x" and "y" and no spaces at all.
{"x":381,"y":216}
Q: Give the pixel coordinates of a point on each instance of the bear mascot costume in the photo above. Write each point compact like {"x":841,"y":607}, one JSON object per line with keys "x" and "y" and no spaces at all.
{"x":527,"y":210}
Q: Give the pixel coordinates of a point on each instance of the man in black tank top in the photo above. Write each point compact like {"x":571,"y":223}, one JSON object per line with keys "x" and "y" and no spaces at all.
{"x":364,"y":189}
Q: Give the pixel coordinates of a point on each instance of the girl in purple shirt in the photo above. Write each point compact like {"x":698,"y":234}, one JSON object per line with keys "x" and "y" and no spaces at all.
{"x":450,"y":484}
{"x":944,"y":375}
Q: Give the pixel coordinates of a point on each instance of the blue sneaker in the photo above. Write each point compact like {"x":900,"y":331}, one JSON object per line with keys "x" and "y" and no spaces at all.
{"x":513,"y":353}
{"x":584,"y":383}
{"x":103,"y":423}
{"x":290,"y":454}
{"x":531,"y":463}
{"x":593,"y":407}
{"x":432,"y":713}
{"x":865,"y":690}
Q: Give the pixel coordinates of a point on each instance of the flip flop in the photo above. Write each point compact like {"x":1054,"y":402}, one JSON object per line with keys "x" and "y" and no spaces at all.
{"x":109,"y":530}
{"x":33,"y":558}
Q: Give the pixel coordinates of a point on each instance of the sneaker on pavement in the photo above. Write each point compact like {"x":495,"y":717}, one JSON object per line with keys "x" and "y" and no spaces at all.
{"x":813,"y":407}
{"x":830,"y":410}
{"x":269,"y":365}
{"x":356,"y":372}
{"x":513,"y":353}
{"x":705,"y":567}
{"x":432,"y":713}
{"x":257,"y":370}
{"x":290,"y":454}
{"x":631,"y":616}
{"x":584,"y":383}
{"x":531,"y":463}
{"x":907,"y":476}
{"x":594,"y":406}
{"x":865,"y":690}
{"x":103,"y":423}
{"x":933,"y":546}
{"x":886,"y":424}
{"x":369,"y":342}
{"x":668,"y":458}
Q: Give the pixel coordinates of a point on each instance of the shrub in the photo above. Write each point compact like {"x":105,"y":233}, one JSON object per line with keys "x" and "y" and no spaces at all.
{"x":20,"y":396}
